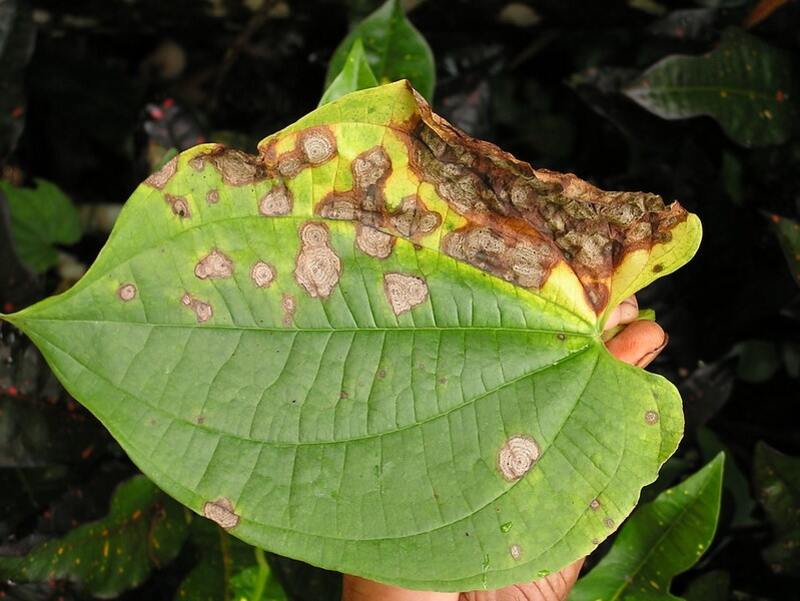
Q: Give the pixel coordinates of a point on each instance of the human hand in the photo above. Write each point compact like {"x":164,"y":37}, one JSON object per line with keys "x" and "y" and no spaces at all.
{"x":638,"y":344}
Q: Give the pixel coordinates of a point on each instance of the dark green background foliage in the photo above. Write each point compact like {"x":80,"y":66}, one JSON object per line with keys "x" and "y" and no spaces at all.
{"x":696,"y":101}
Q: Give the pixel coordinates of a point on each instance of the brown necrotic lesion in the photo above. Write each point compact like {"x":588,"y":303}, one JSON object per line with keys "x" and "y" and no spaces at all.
{"x":522,"y":222}
{"x":365,"y":203}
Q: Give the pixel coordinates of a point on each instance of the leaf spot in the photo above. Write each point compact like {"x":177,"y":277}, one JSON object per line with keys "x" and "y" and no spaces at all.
{"x":237,"y":168}
{"x":651,"y":417}
{"x":317,"y":268}
{"x":126,"y":292}
{"x":517,"y":456}
{"x":404,"y":291}
{"x":278,"y":201}
{"x":262,"y":274}
{"x":594,"y":505}
{"x":202,"y":310}
{"x":215,"y":265}
{"x":515,"y":551}
{"x":374,"y":242}
{"x":608,"y":522}
{"x":289,"y":305}
{"x":221,"y":512}
{"x":318,"y":145}
{"x":160,"y":178}
{"x":212,"y":197}
{"x":179,"y":205}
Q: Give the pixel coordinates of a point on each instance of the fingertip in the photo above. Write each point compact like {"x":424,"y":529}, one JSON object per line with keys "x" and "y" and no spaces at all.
{"x":639,"y":343}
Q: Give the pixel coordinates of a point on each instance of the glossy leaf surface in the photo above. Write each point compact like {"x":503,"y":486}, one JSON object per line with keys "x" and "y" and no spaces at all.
{"x":144,"y":529}
{"x":394,"y":49}
{"x":744,"y":84}
{"x":662,"y":539}
{"x":376,"y":346}
{"x":355,"y":75}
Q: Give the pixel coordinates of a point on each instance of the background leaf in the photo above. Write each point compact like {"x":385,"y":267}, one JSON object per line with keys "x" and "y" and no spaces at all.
{"x":144,"y":529}
{"x":777,"y":481}
{"x":660,"y":540}
{"x":788,"y":233}
{"x":227,"y":570}
{"x":41,"y":217}
{"x":355,"y":75}
{"x":744,"y":84}
{"x":394,"y":49}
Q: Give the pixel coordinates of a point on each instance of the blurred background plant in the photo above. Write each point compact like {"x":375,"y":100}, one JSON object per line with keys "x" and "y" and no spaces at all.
{"x":694,"y":100}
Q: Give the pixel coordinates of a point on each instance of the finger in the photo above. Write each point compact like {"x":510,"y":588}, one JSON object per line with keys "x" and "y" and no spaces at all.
{"x":355,"y":588}
{"x":624,"y":313}
{"x":639,"y":343}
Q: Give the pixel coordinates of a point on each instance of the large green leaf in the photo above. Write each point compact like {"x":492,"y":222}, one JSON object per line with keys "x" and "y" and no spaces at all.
{"x":662,"y":539}
{"x":144,"y":529}
{"x":394,"y":49}
{"x":355,"y":75}
{"x":41,"y":217}
{"x":745,"y":84}
{"x":376,"y":347}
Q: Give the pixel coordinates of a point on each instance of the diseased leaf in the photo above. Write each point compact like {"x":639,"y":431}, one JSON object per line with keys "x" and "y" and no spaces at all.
{"x":144,"y":529}
{"x":380,"y":338}
{"x":744,"y":84}
{"x":41,"y":217}
{"x":788,"y":232}
{"x":659,"y":541}
{"x":777,"y":482}
{"x":355,"y":75}
{"x":393,"y":47}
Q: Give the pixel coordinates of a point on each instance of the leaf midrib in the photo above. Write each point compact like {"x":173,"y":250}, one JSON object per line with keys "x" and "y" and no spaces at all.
{"x":296,"y":330}
{"x":527,"y":374}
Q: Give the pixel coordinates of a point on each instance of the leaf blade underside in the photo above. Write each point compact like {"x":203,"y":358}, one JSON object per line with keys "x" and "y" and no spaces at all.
{"x":325,"y":349}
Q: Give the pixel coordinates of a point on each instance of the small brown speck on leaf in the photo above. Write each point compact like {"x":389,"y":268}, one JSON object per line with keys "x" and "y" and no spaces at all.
{"x":212,"y":197}
{"x":651,"y":417}
{"x":262,"y":274}
{"x":404,"y":291}
{"x":215,"y":265}
{"x":126,"y":292}
{"x":658,"y":268}
{"x":160,"y":178}
{"x":317,"y":267}
{"x":517,"y":456}
{"x":197,"y":163}
{"x":608,"y":522}
{"x":515,"y":551}
{"x":221,"y":512}
{"x":595,"y":504}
